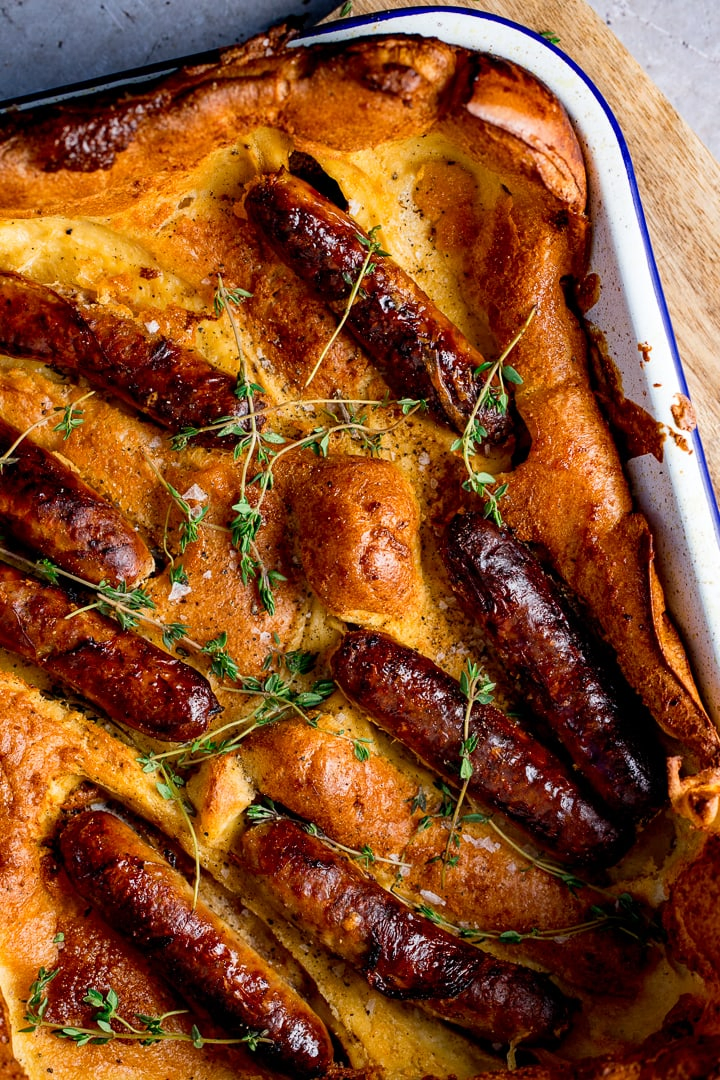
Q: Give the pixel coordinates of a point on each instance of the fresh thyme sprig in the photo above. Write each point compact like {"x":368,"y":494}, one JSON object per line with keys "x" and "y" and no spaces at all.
{"x":365,"y":855}
{"x":72,"y":418}
{"x":230,"y":425}
{"x":252,"y":445}
{"x":278,"y":698}
{"x":169,"y":787}
{"x":446,"y":809}
{"x":128,"y":607}
{"x":361,"y":746}
{"x":624,"y":914}
{"x":373,"y":249}
{"x":151,"y":1029}
{"x":38,"y":1000}
{"x":476,"y":688}
{"x":117,"y":601}
{"x":224,"y":296}
{"x":622,"y":911}
{"x":493,"y":394}
{"x":259,"y":813}
{"x":294,"y":661}
{"x":191,"y":516}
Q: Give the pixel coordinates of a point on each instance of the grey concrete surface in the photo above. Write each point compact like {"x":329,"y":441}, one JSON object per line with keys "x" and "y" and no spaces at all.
{"x":678,"y":44}
{"x":50,"y":43}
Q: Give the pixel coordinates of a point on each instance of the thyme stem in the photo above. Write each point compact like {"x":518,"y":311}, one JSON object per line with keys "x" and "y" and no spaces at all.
{"x":68,"y":424}
{"x":373,"y":248}
{"x":473,"y":434}
{"x":106,"y":1008}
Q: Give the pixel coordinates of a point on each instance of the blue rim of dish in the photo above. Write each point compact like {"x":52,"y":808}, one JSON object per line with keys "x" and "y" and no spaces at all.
{"x":147,"y":73}
{"x":486,"y":16}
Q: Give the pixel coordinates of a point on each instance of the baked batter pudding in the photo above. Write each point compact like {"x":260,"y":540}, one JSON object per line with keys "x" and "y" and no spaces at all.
{"x":338,"y":695}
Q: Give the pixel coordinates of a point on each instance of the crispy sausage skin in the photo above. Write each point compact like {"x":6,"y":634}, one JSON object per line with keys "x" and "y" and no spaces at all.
{"x":148,"y":901}
{"x":419,"y":351}
{"x":526,"y":622}
{"x":401,"y":954}
{"x":131,"y":679}
{"x":172,"y":384}
{"x":46,"y":506}
{"x":416,"y":702}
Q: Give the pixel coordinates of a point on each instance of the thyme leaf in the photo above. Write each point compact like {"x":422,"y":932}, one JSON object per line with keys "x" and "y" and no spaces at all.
{"x":492,"y":394}
{"x":623,"y":914}
{"x":72,"y":418}
{"x":147,"y":1031}
{"x":277,"y":698}
{"x":222,"y":665}
{"x":178,"y":575}
{"x":476,"y":688}
{"x":261,"y":813}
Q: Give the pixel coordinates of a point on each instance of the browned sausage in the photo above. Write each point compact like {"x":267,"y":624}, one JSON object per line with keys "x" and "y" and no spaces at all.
{"x":401,"y":954}
{"x":46,"y":506}
{"x":539,"y":642}
{"x":422,"y":706}
{"x":129,"y":678}
{"x":170,"y":383}
{"x":142,"y":897}
{"x":419,"y":351}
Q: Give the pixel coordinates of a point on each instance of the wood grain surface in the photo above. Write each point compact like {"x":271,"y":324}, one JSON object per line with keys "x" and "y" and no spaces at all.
{"x":679,"y":183}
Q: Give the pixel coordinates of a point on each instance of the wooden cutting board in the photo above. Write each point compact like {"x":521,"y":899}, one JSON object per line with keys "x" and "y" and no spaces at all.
{"x":679,"y":183}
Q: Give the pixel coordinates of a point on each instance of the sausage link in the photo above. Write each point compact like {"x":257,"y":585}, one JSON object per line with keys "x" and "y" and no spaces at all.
{"x":401,"y":954}
{"x":416,"y":702}
{"x":129,"y":678}
{"x":46,"y":506}
{"x":142,"y":897}
{"x":521,"y":612}
{"x":419,"y":351}
{"x":172,"y":384}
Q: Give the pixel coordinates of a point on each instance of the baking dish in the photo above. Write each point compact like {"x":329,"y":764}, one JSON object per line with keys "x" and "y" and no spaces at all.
{"x":611,"y":271}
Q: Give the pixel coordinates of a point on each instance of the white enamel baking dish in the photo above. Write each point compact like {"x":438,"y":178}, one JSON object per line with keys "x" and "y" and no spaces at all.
{"x":676,"y":494}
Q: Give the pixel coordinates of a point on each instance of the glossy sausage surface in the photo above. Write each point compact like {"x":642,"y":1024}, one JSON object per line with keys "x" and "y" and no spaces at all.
{"x":418,"y":703}
{"x":540,"y":644}
{"x":401,"y":954}
{"x":149,"y":902}
{"x":173,"y":384}
{"x":46,"y":506}
{"x":419,"y":351}
{"x":131,"y":679}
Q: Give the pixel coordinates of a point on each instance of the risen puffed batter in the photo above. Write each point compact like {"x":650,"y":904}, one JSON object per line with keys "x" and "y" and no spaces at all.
{"x":132,"y":212}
